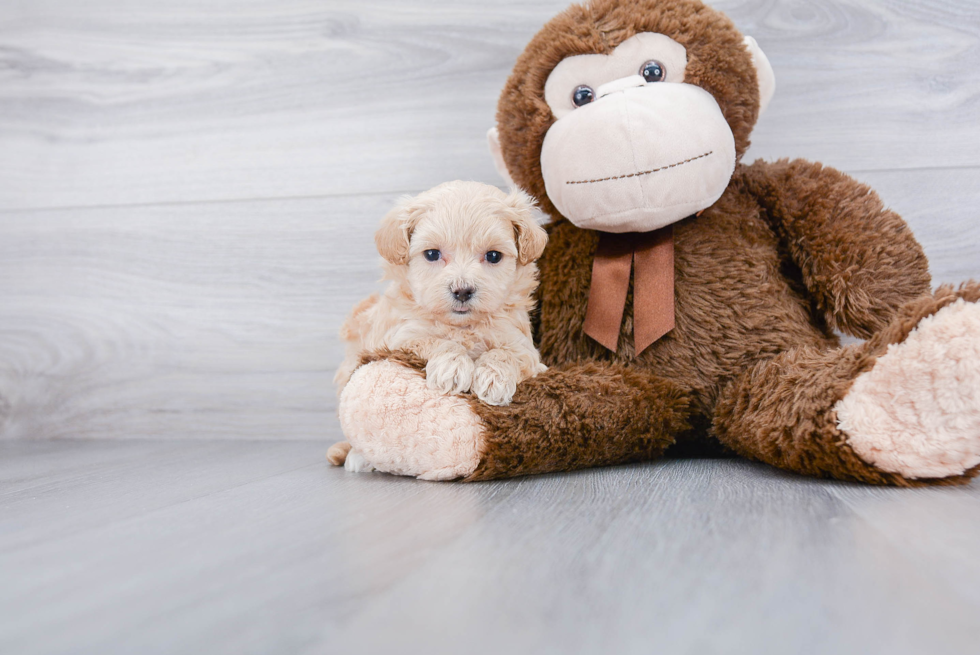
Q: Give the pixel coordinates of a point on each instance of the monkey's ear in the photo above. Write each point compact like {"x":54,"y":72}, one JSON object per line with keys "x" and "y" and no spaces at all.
{"x":493,"y":140}
{"x":531,"y":237}
{"x":395,"y":234}
{"x":763,"y":72}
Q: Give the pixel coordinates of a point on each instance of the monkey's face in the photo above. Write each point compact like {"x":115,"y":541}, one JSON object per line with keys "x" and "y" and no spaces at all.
{"x":633,"y":128}
{"x":634,"y":147}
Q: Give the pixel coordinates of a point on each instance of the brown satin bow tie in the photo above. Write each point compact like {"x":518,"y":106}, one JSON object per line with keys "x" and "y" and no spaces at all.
{"x":653,"y":287}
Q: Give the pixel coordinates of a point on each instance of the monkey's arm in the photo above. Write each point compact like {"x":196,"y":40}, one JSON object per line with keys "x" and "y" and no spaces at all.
{"x":859,"y":260}
{"x":580,"y":415}
{"x":573,"y":416}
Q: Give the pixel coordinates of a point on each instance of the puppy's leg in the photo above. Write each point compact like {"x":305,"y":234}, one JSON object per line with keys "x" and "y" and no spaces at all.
{"x":501,"y":369}
{"x":497,"y":373}
{"x":337,"y":453}
{"x":355,"y":327}
{"x":449,"y":368}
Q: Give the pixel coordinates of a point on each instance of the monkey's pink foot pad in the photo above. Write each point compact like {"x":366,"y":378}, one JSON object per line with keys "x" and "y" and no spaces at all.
{"x":917,"y":412}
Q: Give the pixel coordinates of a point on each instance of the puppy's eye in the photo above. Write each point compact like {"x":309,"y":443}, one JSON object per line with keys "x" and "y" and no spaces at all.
{"x":582,"y":95}
{"x":431,"y":255}
{"x":494,"y":257}
{"x":653,"y":71}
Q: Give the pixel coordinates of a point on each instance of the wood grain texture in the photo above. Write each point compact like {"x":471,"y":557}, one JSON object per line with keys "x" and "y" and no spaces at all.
{"x":132,"y":103}
{"x":215,"y":320}
{"x":162,"y":547}
{"x":942,"y":206}
{"x":220,"y":320}
{"x":107,"y":103}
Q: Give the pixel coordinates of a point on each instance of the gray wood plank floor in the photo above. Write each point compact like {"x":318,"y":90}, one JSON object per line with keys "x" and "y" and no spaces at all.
{"x":258,"y":547}
{"x":187,"y":196}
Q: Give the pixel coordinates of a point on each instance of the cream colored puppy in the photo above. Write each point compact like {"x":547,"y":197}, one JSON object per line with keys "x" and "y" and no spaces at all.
{"x":460,"y":258}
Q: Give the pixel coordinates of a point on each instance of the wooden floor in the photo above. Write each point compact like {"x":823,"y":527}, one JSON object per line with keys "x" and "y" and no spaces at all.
{"x":188,"y":192}
{"x":256,"y":547}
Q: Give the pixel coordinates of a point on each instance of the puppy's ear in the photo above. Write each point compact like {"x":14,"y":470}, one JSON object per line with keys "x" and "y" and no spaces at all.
{"x":531,"y":237}
{"x":395,"y":234}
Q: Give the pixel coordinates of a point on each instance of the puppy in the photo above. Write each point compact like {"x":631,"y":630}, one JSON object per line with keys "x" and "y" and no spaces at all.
{"x":460,"y":258}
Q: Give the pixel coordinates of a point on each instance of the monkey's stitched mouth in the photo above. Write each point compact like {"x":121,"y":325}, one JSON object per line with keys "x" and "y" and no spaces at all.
{"x":652,"y":170}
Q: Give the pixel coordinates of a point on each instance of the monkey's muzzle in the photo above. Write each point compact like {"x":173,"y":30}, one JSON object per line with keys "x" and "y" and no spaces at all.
{"x":639,"y":158}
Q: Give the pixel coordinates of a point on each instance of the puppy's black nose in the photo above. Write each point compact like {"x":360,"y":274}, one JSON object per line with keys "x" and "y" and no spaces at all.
{"x":464,"y":294}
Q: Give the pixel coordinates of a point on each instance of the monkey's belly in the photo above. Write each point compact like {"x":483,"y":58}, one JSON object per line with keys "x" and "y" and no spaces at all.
{"x":736,"y":302}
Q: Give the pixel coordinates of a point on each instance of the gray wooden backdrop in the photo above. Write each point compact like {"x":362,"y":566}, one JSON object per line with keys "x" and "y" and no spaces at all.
{"x":188,"y":189}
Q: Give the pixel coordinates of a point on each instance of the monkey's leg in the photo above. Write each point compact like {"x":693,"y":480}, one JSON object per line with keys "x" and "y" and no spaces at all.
{"x":902,"y":408}
{"x":569,"y":417}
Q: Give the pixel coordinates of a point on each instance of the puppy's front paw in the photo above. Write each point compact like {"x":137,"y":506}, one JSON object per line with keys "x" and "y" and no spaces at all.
{"x":450,"y":373}
{"x":495,"y":385}
{"x":355,"y":463}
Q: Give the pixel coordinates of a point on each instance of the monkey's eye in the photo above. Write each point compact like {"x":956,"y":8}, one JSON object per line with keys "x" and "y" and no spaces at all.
{"x":582,"y":95}
{"x":653,"y":71}
{"x":431,"y":255}
{"x":493,"y":257}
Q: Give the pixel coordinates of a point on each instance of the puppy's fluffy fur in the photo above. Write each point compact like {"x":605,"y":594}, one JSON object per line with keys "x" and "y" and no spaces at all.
{"x":465,"y":312}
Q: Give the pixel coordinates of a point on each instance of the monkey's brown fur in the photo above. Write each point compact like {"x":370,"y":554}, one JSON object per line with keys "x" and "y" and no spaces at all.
{"x":591,"y":414}
{"x":792,"y":251}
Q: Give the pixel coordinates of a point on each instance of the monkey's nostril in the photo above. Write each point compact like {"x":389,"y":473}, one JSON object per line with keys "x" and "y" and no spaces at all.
{"x":463,"y":294}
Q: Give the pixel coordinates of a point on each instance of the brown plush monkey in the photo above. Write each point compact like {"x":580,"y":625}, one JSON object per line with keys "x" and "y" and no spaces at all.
{"x":688,"y":301}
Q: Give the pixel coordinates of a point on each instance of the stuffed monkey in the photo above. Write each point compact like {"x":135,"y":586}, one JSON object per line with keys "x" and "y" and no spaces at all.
{"x":688,"y":301}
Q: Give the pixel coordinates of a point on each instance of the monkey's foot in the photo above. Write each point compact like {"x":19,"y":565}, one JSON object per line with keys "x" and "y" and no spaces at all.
{"x":399,"y":425}
{"x":917,"y":412}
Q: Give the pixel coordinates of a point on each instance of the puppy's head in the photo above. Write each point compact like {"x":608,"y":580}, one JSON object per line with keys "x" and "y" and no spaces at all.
{"x":464,"y":250}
